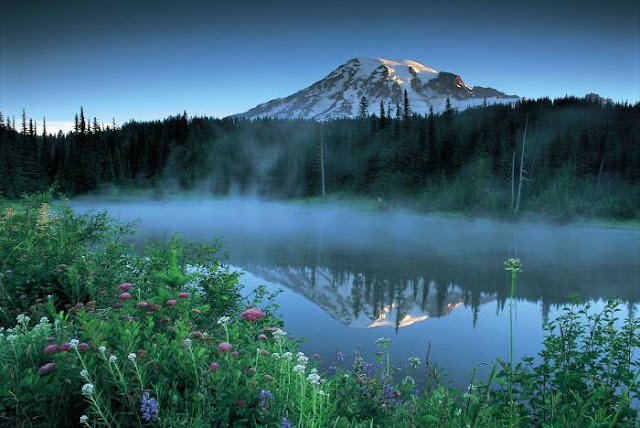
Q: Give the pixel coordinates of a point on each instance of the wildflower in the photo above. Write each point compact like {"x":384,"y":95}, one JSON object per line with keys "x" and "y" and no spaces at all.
{"x":148,"y":407}
{"x":65,"y":347}
{"x":214,"y":367}
{"x":132,"y":357}
{"x":74,"y":343}
{"x":87,"y":389}
{"x":47,"y":368}
{"x":280,"y":334}
{"x":196,"y":311}
{"x":333,"y":368}
{"x":298,"y":368}
{"x":264,"y":396}
{"x":23,"y":319}
{"x":302,"y":359}
{"x":383,"y":341}
{"x":340,"y":357}
{"x":414,"y":361}
{"x":84,"y":419}
{"x":125,"y":286}
{"x":187,"y":343}
{"x":171,"y":302}
{"x":225,"y":347}
{"x":124,"y":296}
{"x":269,"y":378}
{"x":51,"y":349}
{"x":285,"y":423}
{"x":142,"y":305}
{"x":322,"y":393}
{"x":85,"y":374}
{"x":83,"y":347}
{"x":235,"y":354}
{"x":183,"y":295}
{"x":11,"y":337}
{"x":50,"y":339}
{"x":276,"y":355}
{"x":513,"y":265}
{"x":102,"y":349}
{"x":112,"y":359}
{"x":44,"y":320}
{"x":287,"y":356}
{"x":252,"y":314}
{"x":223,"y":320}
{"x":313,"y":379}
{"x":262,"y":337}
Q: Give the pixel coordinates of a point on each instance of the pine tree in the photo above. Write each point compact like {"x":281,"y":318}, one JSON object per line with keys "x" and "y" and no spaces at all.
{"x":1,"y":120}
{"x":44,"y":127}
{"x":83,"y":123}
{"x":382,"y":114}
{"x":31,"y":127}
{"x":363,"y":107}
{"x":398,"y":114}
{"x":448,"y":110}
{"x":76,"y":126}
{"x":407,"y":110}
{"x":24,"y":122}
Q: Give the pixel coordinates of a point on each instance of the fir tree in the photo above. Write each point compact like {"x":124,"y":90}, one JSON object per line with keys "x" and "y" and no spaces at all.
{"x":382,"y":114}
{"x":363,"y":107}
{"x":24,"y":122}
{"x":407,"y":110}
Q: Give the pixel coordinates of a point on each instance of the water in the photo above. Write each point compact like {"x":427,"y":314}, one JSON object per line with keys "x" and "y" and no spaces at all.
{"x":350,"y":277}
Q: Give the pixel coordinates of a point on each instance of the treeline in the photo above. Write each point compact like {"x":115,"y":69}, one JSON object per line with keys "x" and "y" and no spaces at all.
{"x":580,"y":157}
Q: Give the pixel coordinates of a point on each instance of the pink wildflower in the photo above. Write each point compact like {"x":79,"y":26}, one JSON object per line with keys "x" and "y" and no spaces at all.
{"x":214,"y":367}
{"x":252,"y":314}
{"x":171,"y":302}
{"x":47,"y":368}
{"x":235,"y":354}
{"x":50,"y":339}
{"x":183,"y":295}
{"x":51,"y":349}
{"x":83,"y":346}
{"x":225,"y":347}
{"x":125,"y":286}
{"x":124,"y":296}
{"x":65,"y":347}
{"x":262,"y":337}
{"x":142,"y":305}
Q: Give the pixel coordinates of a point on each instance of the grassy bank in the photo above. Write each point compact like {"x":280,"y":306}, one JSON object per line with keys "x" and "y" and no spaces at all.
{"x":96,"y":334}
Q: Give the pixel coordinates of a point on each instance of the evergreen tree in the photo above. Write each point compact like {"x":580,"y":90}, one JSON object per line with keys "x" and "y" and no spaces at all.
{"x":363,"y":107}
{"x":407,"y":110}
{"x":448,"y":110}
{"x":24,"y":122}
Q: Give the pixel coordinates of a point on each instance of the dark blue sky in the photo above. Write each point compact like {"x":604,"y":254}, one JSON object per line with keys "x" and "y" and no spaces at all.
{"x":150,"y":59}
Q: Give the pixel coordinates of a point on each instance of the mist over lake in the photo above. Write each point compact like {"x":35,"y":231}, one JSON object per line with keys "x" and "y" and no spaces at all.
{"x":351,"y":276}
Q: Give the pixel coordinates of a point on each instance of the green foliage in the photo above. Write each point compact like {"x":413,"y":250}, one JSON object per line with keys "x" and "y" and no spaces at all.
{"x":169,"y":341}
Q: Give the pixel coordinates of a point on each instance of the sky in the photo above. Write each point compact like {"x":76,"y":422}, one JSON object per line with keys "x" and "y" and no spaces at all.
{"x":146,"y":60}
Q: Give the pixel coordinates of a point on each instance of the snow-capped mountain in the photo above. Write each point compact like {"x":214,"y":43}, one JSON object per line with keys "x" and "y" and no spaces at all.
{"x":338,"y":95}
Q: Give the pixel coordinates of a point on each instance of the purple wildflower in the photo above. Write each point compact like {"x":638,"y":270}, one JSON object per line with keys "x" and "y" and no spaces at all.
{"x":333,"y":368}
{"x":340,"y":357}
{"x":149,"y":408}
{"x":285,"y":423}
{"x":367,"y":368}
{"x":265,"y":395}
{"x":389,"y":394}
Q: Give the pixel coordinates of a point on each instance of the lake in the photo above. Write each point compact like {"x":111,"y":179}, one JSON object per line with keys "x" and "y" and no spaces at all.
{"x":351,"y":276}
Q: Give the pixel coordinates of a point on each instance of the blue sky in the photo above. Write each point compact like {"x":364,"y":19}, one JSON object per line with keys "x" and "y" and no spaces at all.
{"x":150,"y":59}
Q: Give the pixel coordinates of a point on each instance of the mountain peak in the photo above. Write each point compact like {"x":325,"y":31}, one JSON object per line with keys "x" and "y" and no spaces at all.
{"x":380,"y":80}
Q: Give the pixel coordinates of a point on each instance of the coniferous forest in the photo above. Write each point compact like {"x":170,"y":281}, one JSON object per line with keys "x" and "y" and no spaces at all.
{"x":580,"y":158}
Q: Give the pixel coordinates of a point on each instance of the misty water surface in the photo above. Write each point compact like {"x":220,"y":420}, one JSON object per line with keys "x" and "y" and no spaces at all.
{"x":350,"y":277}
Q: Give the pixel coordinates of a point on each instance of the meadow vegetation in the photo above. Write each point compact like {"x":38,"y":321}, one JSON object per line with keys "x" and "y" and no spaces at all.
{"x":97,"y":332}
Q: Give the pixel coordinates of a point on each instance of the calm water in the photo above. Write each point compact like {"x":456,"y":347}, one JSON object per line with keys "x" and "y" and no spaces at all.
{"x":351,"y":277}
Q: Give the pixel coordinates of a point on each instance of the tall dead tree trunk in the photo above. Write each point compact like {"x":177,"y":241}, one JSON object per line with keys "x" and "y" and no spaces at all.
{"x":524,"y":142}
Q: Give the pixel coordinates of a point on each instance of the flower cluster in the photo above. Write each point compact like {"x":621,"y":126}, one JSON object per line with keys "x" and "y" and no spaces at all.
{"x":252,"y":314}
{"x":264,"y":396}
{"x":148,"y":407}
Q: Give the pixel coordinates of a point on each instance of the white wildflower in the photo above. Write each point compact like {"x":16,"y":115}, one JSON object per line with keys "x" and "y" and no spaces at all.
{"x":187,"y":343}
{"x":132,"y":357}
{"x":276,"y":355}
{"x":383,"y":341}
{"x":287,"y":356}
{"x":85,"y":374}
{"x":87,"y":389}
{"x":299,"y":368}
{"x":44,"y":320}
{"x":102,"y":349}
{"x":224,"y":320}
{"x":84,"y":419}
{"x":303,"y":359}
{"x":22,"y":319}
{"x":112,"y":359}
{"x":11,"y":337}
{"x":313,"y":379}
{"x":74,"y":343}
{"x":322,"y":393}
{"x":414,"y":361}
